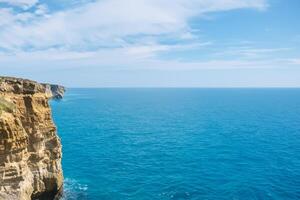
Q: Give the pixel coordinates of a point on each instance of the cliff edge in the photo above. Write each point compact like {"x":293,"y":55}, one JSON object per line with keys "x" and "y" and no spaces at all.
{"x":30,"y":150}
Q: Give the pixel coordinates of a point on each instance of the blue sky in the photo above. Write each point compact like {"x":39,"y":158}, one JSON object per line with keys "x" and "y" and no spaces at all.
{"x":152,"y":43}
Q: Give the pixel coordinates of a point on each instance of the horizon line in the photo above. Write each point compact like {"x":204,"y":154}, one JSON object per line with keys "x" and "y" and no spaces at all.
{"x":180,"y":87}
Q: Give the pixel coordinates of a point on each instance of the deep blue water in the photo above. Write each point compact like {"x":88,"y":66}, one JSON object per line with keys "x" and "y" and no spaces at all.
{"x":148,"y":144}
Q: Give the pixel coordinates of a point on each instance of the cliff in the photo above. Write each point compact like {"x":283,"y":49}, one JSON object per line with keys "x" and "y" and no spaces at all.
{"x":30,"y":150}
{"x":56,"y":91}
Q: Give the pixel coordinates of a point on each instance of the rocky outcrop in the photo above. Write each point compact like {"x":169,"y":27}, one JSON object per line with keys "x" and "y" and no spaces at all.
{"x":30,"y":150}
{"x":57,"y":91}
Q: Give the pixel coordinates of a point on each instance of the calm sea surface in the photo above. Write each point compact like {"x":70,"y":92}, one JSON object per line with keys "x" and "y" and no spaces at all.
{"x":148,"y":144}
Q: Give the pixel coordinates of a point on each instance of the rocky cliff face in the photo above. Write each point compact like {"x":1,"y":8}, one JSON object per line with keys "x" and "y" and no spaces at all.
{"x":30,"y":150}
{"x":57,"y":91}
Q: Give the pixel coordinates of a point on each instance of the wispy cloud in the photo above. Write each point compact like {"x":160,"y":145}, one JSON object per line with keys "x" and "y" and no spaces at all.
{"x":251,"y":52}
{"x":24,"y":4}
{"x":105,"y":23}
{"x":294,"y":61}
{"x":133,"y":59}
{"x":118,"y":34}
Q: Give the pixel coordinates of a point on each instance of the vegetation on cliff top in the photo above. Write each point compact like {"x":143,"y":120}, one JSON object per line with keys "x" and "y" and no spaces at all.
{"x":5,"y":105}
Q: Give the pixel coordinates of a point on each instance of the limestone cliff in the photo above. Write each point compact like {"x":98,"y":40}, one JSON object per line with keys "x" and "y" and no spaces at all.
{"x":57,"y":91}
{"x":30,"y":150}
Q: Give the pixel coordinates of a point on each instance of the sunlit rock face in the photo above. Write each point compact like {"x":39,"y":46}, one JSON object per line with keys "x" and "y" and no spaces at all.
{"x":30,"y":150}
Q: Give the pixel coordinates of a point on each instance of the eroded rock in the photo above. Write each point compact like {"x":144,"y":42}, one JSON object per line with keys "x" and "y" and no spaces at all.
{"x":30,"y":150}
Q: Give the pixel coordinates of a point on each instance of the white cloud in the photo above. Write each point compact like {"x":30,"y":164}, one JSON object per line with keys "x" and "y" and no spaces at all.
{"x":97,"y":35}
{"x":132,"y":59}
{"x":107,"y":22}
{"x":24,"y":4}
{"x":251,"y":52}
{"x":41,"y":9}
{"x":294,"y":61}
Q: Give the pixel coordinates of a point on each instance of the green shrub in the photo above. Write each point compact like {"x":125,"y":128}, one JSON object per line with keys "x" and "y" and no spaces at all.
{"x":6,"y":106}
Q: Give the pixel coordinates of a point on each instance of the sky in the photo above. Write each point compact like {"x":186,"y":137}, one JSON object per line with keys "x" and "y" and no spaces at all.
{"x":152,"y":43}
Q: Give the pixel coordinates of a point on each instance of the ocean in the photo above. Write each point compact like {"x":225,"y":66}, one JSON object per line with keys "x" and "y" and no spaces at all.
{"x":150,"y":144}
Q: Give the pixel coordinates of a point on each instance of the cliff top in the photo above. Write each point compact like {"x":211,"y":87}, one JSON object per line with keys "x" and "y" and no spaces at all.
{"x":26,"y":86}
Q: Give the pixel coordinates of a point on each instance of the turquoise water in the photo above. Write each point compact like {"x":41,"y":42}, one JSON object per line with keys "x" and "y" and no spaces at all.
{"x":180,"y":143}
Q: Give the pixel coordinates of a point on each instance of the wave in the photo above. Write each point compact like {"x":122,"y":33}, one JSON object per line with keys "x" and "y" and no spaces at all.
{"x":73,"y":190}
